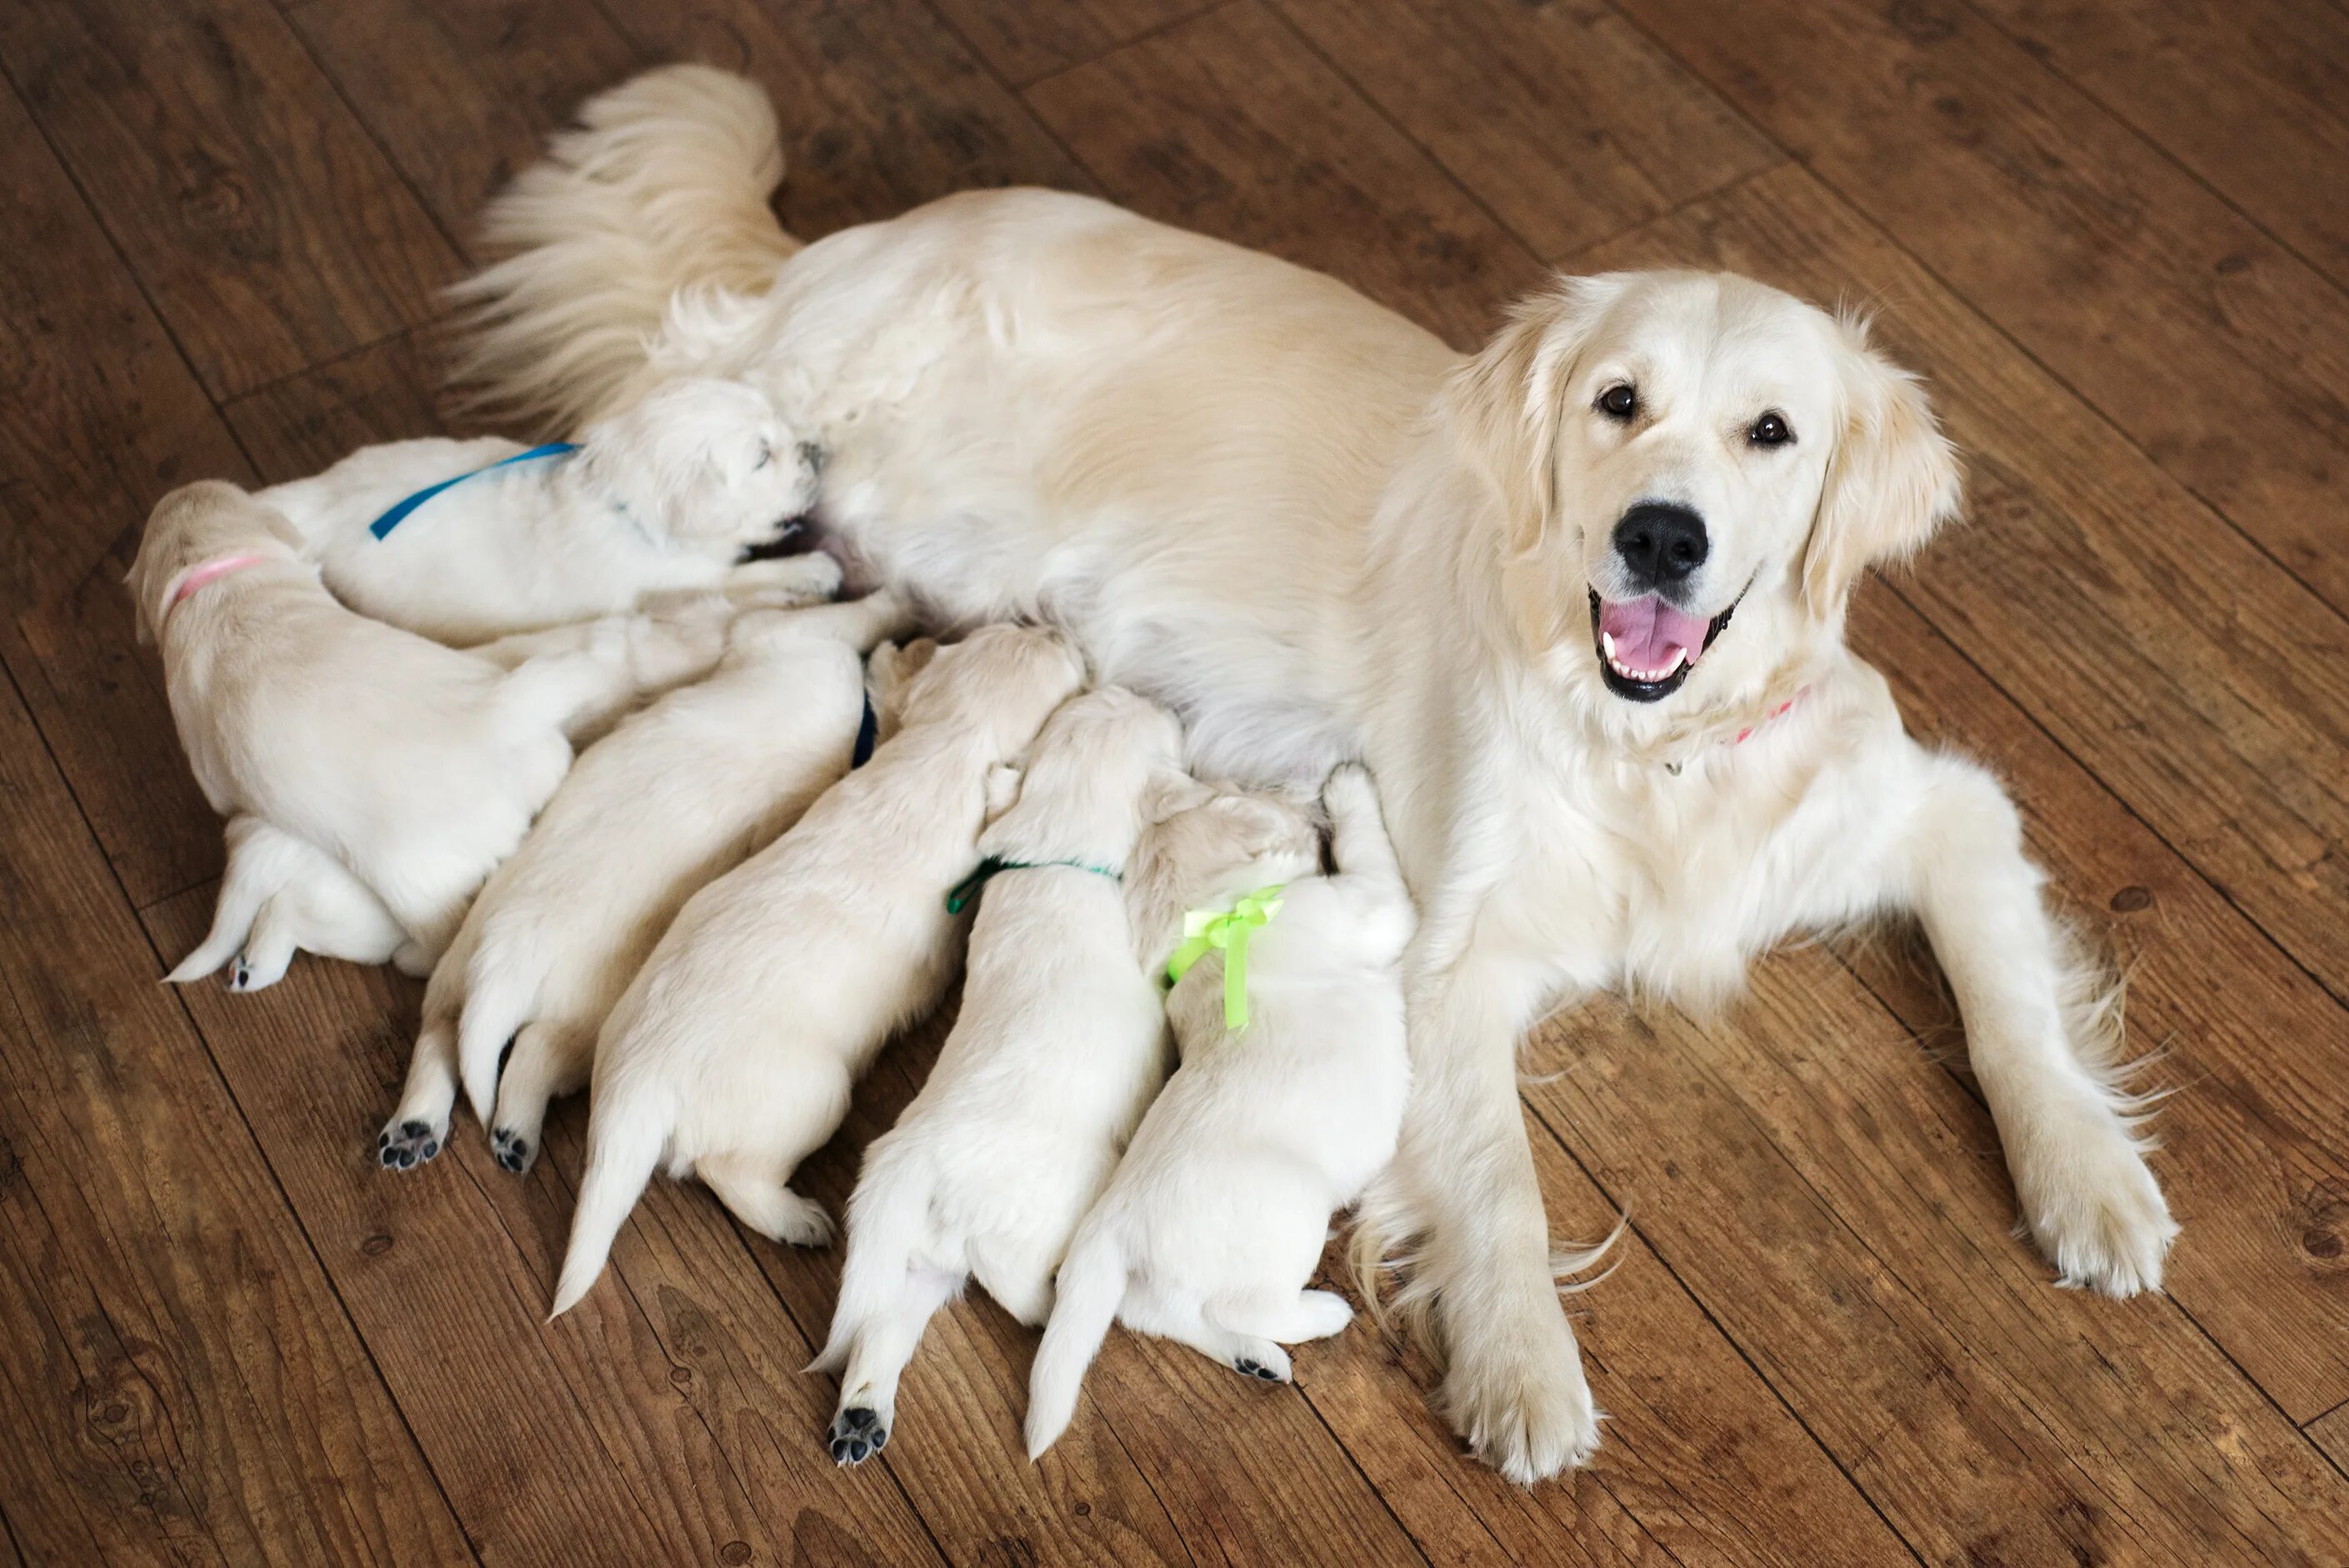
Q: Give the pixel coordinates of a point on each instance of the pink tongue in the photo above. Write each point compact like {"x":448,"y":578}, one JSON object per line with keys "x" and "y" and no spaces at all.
{"x":1646,"y":631}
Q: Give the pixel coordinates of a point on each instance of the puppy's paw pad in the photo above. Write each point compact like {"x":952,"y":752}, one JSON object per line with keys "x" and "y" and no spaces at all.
{"x":405,"y":1145}
{"x":513,"y":1150}
{"x":1247,"y":1369}
{"x":856,"y":1435}
{"x":239,"y":976}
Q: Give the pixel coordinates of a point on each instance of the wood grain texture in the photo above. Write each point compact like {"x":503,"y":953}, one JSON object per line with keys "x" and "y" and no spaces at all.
{"x":1231,"y":126}
{"x":881,"y":106}
{"x":2331,"y":1435}
{"x":2205,"y":687}
{"x":2251,"y":95}
{"x":2217,"y":350}
{"x":1560,"y":117}
{"x":460,"y":95}
{"x":256,"y":212}
{"x":182,"y":1383}
{"x":1022,"y":42}
{"x":1840,"y":1206}
{"x":390,"y":391}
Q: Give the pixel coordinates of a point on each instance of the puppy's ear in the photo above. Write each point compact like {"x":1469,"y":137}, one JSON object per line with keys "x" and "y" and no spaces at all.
{"x":1002,"y":790}
{"x":1891,"y":480}
{"x":1172,"y":794}
{"x":1505,"y":403}
{"x":891,"y":670}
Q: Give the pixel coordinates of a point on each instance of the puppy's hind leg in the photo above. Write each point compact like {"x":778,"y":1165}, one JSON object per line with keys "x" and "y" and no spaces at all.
{"x":876,"y":1360}
{"x":751,"y":1187}
{"x":420,"y":1126}
{"x":1250,"y":1354}
{"x":548,"y":1060}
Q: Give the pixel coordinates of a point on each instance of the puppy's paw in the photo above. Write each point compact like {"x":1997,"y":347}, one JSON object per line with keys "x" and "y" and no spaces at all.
{"x":514,"y":1150}
{"x":858,"y":1434}
{"x":802,"y":1222}
{"x":2092,"y":1207}
{"x":1321,"y":1313}
{"x":240,"y":975}
{"x":1266,"y":1363}
{"x":1516,"y":1393}
{"x":403,"y":1145}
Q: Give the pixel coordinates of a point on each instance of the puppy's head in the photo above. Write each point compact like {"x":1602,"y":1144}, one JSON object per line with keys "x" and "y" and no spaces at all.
{"x":1672,"y":449}
{"x":1206,"y":845}
{"x":1083,"y":791}
{"x":701,"y":464}
{"x":1001,"y":680}
{"x":196,"y":524}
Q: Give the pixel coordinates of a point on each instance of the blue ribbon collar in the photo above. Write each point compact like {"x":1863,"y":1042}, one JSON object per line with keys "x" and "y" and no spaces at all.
{"x":382,"y":527}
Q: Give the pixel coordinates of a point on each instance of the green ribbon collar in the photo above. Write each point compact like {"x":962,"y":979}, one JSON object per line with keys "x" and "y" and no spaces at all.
{"x":965,"y":892}
{"x":1227,"y":931}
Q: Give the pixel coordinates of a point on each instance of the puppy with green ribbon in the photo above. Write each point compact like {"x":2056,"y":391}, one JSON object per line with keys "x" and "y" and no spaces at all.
{"x":1286,"y":1008}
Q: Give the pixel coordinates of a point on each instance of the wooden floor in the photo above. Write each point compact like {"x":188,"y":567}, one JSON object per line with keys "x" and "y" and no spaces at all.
{"x":2116,"y":237}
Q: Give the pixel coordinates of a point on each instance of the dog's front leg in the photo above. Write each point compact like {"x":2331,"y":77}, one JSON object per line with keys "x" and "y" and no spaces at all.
{"x":1514,"y":1385}
{"x":2026,"y":1000}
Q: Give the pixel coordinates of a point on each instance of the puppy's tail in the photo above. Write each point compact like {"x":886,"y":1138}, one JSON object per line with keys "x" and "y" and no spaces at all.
{"x":1085,"y":1301}
{"x":886,"y":1218}
{"x":261,"y":862}
{"x":664,"y":184}
{"x":625,"y":1133}
{"x":500,"y":998}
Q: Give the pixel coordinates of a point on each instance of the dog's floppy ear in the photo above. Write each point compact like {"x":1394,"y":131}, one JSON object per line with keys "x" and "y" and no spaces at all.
{"x":1891,"y":480}
{"x":1505,"y":403}
{"x":1171,"y":794}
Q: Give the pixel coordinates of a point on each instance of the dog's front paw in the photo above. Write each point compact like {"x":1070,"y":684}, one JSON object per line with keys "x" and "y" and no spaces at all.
{"x":1516,"y":1393}
{"x":513,"y":1150}
{"x":403,"y":1145}
{"x":856,"y":1435}
{"x":2092,"y":1206}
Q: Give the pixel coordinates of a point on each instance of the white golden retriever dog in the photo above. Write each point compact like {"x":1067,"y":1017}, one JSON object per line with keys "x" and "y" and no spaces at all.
{"x":664,"y":497}
{"x":1057,"y":1046}
{"x":280,"y":896}
{"x":676,"y":796}
{"x":731,"y":1055}
{"x":1219,"y":1211}
{"x":415,"y":768}
{"x":1320,"y":533}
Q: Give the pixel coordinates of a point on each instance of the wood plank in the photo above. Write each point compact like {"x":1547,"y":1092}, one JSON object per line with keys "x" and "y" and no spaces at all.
{"x":1230,"y":125}
{"x":2219,"y":351}
{"x":2248,"y":93}
{"x":1245,"y":1473}
{"x":389,"y":391}
{"x":103,"y":416}
{"x":1841,"y":1207}
{"x":2331,"y":1435}
{"x":255,"y":211}
{"x":1563,"y":119}
{"x":2201,"y":683}
{"x":1023,"y":42}
{"x":556,"y":1444}
{"x":181,"y":1382}
{"x":460,"y":95}
{"x":881,"y":108}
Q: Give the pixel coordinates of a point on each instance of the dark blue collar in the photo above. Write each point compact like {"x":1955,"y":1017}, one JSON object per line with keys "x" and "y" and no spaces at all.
{"x":383,"y":525}
{"x":868,"y":734}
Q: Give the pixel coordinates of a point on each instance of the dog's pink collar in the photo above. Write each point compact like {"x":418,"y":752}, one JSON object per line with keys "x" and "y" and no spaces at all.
{"x":1747,"y":733}
{"x":212,"y":571}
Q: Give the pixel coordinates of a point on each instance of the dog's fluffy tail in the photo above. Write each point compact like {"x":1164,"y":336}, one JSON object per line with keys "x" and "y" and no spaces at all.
{"x":1085,"y":1301}
{"x":664,"y":185}
{"x":625,"y":1133}
{"x":501,"y":995}
{"x":261,"y":862}
{"x":888,"y":1222}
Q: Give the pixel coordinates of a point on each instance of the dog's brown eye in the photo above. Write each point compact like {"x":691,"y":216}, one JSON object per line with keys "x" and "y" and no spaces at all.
{"x":1618,"y":401}
{"x":1770,"y":430}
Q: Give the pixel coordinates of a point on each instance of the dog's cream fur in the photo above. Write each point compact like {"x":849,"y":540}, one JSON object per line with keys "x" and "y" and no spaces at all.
{"x":1218,"y":1213}
{"x":676,"y":796}
{"x":1320,"y":533}
{"x":282,"y":895}
{"x":731,"y":1053}
{"x":661,"y":498}
{"x":1057,"y":1048}
{"x":414,"y":766}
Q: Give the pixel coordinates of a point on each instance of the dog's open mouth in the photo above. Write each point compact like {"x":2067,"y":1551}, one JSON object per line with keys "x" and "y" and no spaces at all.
{"x":1646,"y":647}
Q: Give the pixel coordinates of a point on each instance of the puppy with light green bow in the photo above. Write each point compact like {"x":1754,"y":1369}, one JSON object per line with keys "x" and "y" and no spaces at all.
{"x":1288,"y":1016}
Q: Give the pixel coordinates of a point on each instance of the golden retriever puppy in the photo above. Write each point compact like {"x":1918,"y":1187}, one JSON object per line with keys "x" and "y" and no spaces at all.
{"x":280,"y":896}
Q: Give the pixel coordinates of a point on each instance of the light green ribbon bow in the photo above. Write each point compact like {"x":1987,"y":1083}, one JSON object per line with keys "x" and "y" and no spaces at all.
{"x":1204,"y":929}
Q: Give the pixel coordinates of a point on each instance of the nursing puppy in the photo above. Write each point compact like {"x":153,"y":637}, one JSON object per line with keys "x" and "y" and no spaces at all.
{"x":415,"y":768}
{"x":663,"y":497}
{"x":280,"y":896}
{"x":678,"y":795}
{"x":1058,"y":1047}
{"x":1218,"y":1213}
{"x":731,"y":1055}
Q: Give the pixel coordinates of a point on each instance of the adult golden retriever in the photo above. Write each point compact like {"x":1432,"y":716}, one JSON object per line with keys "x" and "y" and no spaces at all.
{"x":1578,"y":600}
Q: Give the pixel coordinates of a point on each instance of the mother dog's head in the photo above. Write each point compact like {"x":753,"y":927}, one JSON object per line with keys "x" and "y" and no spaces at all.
{"x":1672,"y":448}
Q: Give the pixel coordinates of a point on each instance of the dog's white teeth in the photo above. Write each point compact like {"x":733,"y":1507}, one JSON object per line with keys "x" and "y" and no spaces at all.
{"x":1680,"y":657}
{"x":1607,"y":641}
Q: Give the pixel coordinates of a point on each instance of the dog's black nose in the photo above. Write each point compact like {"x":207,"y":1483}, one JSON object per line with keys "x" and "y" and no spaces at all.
{"x":1660,"y":542}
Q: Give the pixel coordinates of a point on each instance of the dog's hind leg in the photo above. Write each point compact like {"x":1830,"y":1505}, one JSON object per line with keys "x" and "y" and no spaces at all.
{"x":1293,"y":1319}
{"x":1250,"y":1355}
{"x":876,"y":1360}
{"x":750,"y":1187}
{"x":420,"y":1126}
{"x":548,"y":1060}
